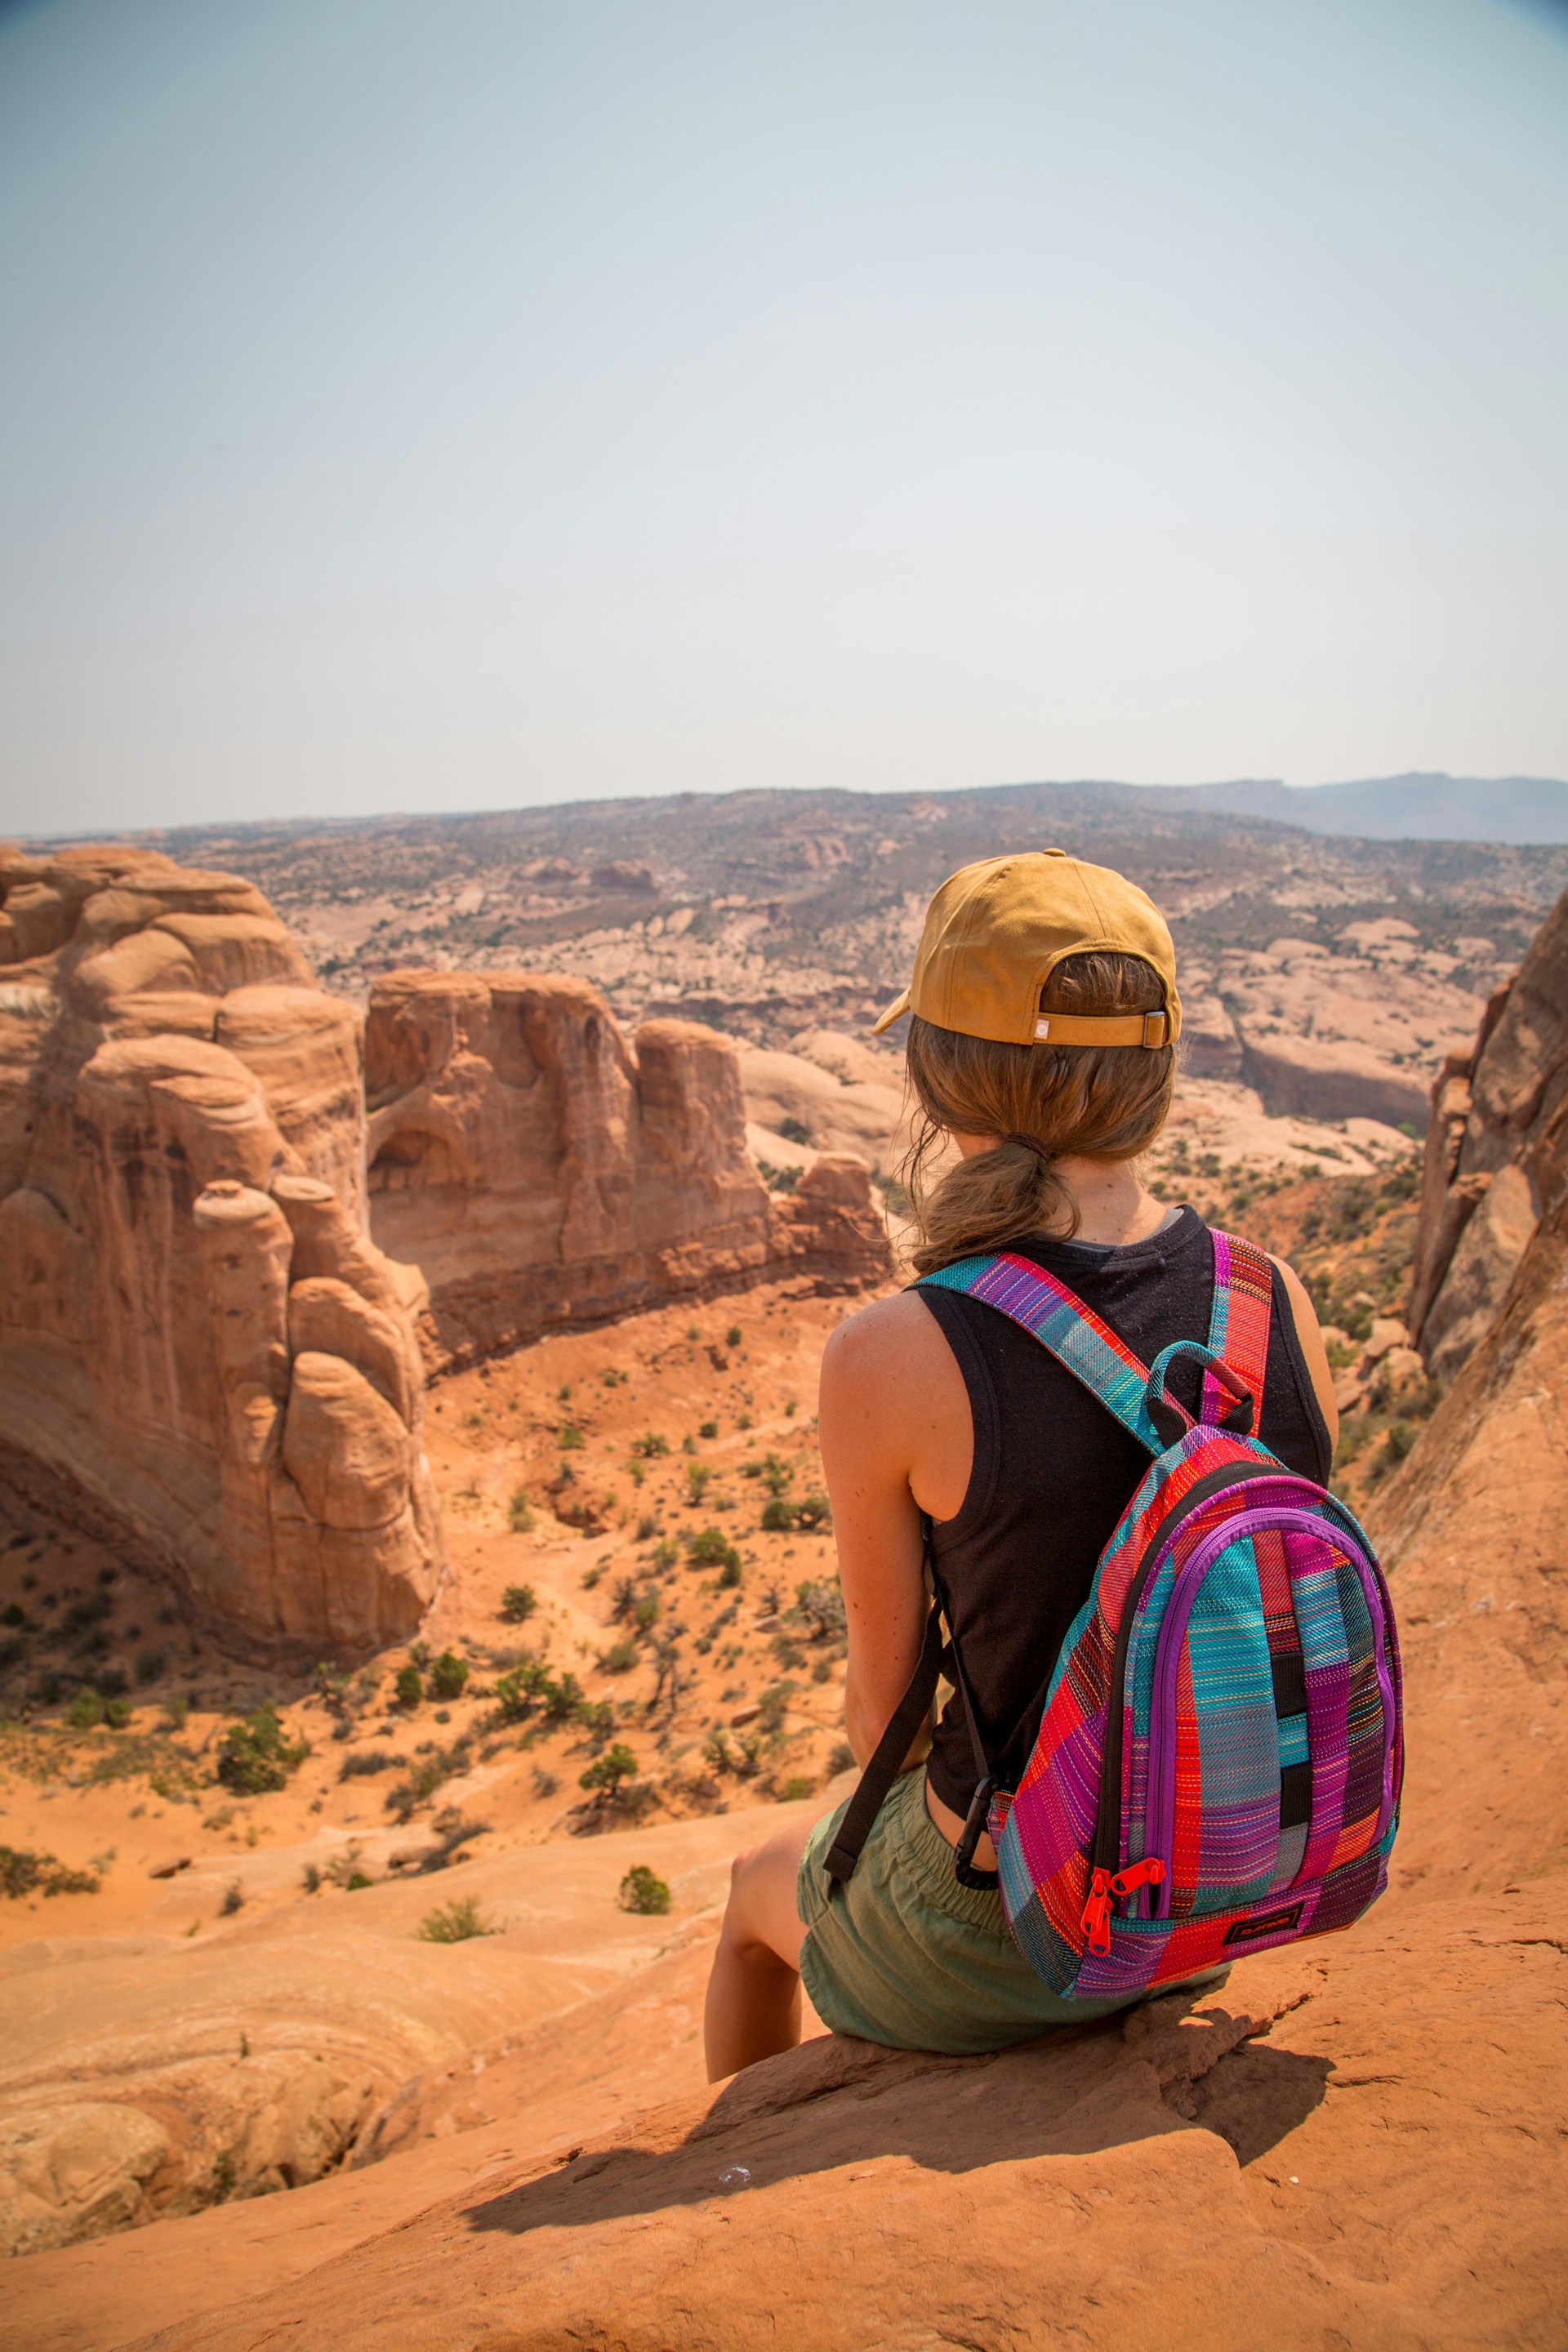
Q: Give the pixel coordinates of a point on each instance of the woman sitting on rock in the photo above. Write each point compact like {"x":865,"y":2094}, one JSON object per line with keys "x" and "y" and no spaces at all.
{"x":1041,"y":1049}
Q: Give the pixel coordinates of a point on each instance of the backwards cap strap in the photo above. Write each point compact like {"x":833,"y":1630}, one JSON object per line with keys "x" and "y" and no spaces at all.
{"x":1064,"y":1327}
{"x":1238,"y":1322}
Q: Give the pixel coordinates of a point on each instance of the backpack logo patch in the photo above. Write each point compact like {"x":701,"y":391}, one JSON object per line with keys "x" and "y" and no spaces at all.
{"x":1271,"y":1923}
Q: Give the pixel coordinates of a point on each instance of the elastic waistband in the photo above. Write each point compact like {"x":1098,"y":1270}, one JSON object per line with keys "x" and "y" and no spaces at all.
{"x":929,"y":1859}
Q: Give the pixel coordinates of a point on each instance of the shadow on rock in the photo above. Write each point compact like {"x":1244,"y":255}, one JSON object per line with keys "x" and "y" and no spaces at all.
{"x":838,"y":2102}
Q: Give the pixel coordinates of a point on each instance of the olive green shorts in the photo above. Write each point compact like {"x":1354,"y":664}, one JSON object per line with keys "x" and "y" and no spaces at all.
{"x":904,"y":1955}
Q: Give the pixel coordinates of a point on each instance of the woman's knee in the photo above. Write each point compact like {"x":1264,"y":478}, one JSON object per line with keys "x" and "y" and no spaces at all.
{"x":748,"y":1874}
{"x":762,"y":1906}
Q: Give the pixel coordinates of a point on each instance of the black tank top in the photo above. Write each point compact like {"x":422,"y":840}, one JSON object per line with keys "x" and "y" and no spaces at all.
{"x":1053,"y":1470}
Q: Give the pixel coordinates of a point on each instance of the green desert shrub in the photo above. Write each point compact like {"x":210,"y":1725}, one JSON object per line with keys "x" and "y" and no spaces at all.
{"x":24,"y":1872}
{"x":708,"y":1547}
{"x":407,"y":1686}
{"x":448,"y":1676}
{"x":562,"y":1699}
{"x":820,"y":1602}
{"x":518,"y":1603}
{"x":607,"y":1774}
{"x":520,"y":1519}
{"x":256,"y":1754}
{"x":86,"y":1709}
{"x":780,"y":1516}
{"x":518,"y":1693}
{"x":642,"y":1891}
{"x":455,"y":1922}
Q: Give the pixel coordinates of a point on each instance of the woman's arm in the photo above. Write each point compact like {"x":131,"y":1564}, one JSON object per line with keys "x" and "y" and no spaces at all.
{"x":894,"y":1423}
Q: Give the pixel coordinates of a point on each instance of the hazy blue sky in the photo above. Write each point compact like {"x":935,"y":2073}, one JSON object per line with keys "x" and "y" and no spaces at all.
{"x":475,"y":403}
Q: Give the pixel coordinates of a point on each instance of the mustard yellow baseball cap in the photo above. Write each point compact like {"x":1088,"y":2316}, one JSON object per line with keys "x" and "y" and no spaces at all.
{"x":995,"y":933}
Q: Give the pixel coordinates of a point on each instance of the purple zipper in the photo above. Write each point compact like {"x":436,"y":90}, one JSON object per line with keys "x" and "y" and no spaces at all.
{"x":1160,"y":1816}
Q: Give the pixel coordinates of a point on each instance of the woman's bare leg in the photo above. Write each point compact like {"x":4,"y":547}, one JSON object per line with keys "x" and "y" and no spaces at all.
{"x":753,"y":1993}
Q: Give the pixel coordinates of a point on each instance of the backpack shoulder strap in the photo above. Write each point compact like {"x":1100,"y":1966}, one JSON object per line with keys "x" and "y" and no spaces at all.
{"x":1239,"y":1320}
{"x":1065,"y":1328}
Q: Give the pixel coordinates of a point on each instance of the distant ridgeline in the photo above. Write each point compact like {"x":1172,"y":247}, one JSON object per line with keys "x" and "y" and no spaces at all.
{"x":769,"y":913}
{"x":1401,"y":808}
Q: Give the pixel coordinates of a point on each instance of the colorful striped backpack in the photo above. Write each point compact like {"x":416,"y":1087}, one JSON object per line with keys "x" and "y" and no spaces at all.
{"x":1219,"y":1762}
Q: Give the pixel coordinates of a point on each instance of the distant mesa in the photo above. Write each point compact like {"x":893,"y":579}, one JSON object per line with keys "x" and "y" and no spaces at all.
{"x":623,"y":874}
{"x":201,"y":1353}
{"x":1415,"y":807}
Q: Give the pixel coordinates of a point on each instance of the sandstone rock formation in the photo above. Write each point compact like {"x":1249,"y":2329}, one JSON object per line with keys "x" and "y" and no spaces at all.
{"x":544,"y":1172}
{"x":1497,"y":1154}
{"x":1210,"y":1046}
{"x":199,"y":1348}
{"x":844,"y":1097}
{"x":1310,"y":2155}
{"x":146,"y":2075}
{"x":1473,"y":1532}
{"x":1332,"y":1034}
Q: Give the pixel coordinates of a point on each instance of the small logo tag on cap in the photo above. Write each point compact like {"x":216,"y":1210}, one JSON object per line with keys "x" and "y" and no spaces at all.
{"x":1042,"y":1028}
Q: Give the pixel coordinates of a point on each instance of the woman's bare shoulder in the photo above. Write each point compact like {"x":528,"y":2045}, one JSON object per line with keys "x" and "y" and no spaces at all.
{"x":886,"y":1329}
{"x":887,"y":1348}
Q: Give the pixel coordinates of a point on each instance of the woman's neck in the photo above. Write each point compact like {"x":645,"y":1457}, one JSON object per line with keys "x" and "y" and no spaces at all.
{"x":1114,"y":1205}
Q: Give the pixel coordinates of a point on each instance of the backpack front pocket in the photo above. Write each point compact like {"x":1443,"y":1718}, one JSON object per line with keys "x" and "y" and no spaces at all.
{"x":1271,"y":1714}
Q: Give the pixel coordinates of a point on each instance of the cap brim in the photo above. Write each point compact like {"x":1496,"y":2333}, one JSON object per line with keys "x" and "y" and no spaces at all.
{"x":899,"y":1005}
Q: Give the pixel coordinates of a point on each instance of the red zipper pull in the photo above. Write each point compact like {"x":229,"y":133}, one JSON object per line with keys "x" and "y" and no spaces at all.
{"x":1148,"y":1872}
{"x":1096,"y":1920}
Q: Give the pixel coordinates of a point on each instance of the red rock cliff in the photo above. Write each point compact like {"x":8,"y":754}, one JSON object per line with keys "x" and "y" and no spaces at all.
{"x":544,"y":1171}
{"x":1495,"y":1154}
{"x":199,"y":1348}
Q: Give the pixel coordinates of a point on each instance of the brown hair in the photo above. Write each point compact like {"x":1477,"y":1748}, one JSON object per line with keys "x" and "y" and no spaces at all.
{"x":1041,"y":1102}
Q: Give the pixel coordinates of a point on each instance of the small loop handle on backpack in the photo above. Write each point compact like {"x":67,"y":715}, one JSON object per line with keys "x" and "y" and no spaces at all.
{"x":979,"y":1813}
{"x":1173,"y":1420}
